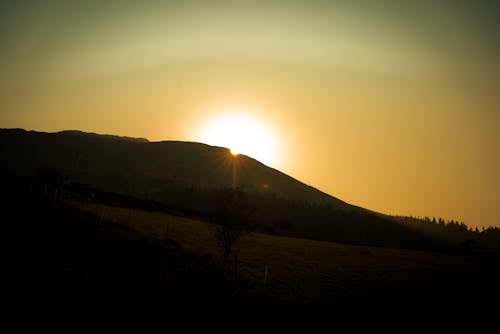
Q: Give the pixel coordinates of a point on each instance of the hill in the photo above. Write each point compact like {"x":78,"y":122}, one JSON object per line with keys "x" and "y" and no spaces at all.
{"x":185,"y":175}
{"x":138,"y":167}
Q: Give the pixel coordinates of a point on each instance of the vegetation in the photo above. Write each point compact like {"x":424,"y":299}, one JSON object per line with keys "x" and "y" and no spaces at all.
{"x":232,"y":218}
{"x":455,"y":234}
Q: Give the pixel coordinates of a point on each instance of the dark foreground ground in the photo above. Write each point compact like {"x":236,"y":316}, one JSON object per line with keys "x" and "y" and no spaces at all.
{"x":67,"y":272}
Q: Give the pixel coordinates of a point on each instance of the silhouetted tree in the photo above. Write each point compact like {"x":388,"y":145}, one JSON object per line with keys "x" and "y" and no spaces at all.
{"x":232,"y":216}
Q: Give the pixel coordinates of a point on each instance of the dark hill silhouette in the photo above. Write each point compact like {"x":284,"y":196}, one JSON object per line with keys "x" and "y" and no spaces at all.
{"x":136,"y":166}
{"x":186,"y":174}
{"x":139,"y":167}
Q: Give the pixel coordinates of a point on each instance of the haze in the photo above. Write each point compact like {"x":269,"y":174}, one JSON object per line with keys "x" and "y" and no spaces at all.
{"x":393,"y":107}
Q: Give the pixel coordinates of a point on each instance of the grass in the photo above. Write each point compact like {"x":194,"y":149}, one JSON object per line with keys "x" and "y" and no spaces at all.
{"x":310,"y":271}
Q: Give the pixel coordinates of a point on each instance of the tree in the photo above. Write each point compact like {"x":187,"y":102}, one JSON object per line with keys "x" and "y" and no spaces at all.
{"x":232,"y":216}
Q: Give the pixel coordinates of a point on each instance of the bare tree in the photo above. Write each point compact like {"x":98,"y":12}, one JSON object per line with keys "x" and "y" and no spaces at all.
{"x":232,"y":216}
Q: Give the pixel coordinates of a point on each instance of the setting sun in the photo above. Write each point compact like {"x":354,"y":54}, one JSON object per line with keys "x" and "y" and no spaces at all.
{"x":241,"y":134}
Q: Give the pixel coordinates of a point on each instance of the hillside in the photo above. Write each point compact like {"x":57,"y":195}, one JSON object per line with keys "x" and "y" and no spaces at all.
{"x":184,"y":175}
{"x":136,"y":166}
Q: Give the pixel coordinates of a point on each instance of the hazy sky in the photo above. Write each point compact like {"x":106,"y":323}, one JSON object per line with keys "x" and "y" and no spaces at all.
{"x":391,"y":105}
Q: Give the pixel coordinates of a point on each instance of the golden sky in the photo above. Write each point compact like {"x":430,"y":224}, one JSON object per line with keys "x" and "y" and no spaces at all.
{"x":393,"y":106}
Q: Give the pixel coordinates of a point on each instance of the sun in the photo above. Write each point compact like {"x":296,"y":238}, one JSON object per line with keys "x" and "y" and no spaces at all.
{"x":241,"y":134}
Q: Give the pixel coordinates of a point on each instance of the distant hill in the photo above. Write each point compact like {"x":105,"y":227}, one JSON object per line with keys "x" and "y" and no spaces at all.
{"x":139,"y":167}
{"x":186,"y":174}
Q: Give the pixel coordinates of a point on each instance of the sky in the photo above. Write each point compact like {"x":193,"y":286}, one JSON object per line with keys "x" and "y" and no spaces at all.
{"x":390,"y":105}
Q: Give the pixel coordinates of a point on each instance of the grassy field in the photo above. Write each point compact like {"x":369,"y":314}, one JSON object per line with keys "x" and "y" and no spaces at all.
{"x":309,"y":271}
{"x":84,"y":265}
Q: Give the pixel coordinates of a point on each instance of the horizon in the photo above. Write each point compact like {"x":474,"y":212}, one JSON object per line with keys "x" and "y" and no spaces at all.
{"x":390,"y":107}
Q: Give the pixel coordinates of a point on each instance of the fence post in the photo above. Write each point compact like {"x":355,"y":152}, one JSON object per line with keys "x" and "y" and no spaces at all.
{"x":265,"y":275}
{"x":235,"y":267}
{"x":166,"y":233}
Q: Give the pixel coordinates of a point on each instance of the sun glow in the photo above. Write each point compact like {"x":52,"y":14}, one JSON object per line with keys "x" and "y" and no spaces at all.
{"x":241,"y":134}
